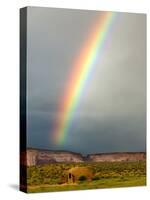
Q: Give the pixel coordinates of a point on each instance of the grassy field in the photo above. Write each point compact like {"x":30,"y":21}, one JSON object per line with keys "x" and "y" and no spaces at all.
{"x":48,"y":177}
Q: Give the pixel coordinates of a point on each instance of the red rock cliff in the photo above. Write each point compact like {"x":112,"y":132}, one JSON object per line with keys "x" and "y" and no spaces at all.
{"x":37,"y":156}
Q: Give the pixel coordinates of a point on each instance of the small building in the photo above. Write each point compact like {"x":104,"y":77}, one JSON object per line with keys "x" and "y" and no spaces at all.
{"x":79,"y":173}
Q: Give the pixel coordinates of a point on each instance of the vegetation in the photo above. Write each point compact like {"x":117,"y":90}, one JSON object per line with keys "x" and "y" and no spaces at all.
{"x":82,"y":178}
{"x":53,"y":177}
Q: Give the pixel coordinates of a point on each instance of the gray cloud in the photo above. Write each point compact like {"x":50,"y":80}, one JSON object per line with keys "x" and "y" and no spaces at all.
{"x":111,"y":114}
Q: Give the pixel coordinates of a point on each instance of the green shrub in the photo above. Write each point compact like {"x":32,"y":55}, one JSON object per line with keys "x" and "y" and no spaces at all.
{"x":82,"y":178}
{"x":95,"y":178}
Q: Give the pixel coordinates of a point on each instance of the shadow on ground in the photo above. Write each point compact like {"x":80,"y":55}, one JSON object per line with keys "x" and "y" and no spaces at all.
{"x":14,"y":186}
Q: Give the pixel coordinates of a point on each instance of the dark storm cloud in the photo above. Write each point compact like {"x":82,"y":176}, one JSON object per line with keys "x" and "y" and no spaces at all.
{"x":109,"y":135}
{"x":111,"y":115}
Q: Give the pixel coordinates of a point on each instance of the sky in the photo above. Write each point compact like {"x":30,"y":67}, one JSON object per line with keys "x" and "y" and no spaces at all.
{"x":111,"y":114}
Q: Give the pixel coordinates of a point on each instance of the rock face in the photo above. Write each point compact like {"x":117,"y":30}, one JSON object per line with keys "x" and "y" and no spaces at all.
{"x":37,"y":156}
{"x":32,"y":156}
{"x":114,"y":157}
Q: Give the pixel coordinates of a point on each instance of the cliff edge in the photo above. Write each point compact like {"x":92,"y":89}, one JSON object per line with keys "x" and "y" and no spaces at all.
{"x":38,"y":156}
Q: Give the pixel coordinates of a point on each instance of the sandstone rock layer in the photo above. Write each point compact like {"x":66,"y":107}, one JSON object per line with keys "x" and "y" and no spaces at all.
{"x":37,"y":156}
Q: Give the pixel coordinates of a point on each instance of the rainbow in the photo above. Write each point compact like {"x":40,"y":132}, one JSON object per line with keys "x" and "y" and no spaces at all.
{"x":80,"y":73}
